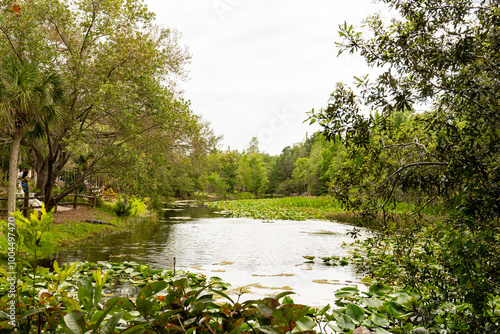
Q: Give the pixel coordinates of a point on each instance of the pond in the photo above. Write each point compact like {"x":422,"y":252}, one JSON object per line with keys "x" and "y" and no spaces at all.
{"x":259,"y":258}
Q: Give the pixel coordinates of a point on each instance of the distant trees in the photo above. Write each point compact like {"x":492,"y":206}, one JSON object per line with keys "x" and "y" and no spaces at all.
{"x":304,"y":168}
{"x":253,"y":173}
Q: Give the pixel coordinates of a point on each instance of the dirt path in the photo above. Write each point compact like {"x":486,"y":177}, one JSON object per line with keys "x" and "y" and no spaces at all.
{"x":77,"y":215}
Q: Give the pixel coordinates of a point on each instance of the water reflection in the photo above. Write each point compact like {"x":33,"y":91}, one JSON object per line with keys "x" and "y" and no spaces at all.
{"x":258,"y":257}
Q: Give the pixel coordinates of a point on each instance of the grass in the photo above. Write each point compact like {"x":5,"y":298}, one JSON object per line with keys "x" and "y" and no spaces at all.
{"x":72,"y":233}
{"x":302,"y":208}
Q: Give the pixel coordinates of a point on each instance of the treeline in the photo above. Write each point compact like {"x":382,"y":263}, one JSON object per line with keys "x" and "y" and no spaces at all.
{"x":304,"y":168}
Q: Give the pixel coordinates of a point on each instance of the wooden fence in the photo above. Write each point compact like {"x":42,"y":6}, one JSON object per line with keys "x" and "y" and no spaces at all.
{"x":27,"y":206}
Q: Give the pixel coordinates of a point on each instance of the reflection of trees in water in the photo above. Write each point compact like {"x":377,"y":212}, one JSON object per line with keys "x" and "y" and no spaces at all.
{"x":143,"y":239}
{"x":188,"y":211}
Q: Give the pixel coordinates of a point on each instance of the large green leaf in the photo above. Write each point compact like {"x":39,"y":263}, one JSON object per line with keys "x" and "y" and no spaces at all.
{"x":76,"y":322}
{"x":345,"y":322}
{"x":372,"y":302}
{"x":379,"y":319}
{"x":110,"y":325}
{"x":355,"y":312}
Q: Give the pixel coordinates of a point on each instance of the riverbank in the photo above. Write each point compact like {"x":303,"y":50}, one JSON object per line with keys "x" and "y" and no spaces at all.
{"x":68,"y":227}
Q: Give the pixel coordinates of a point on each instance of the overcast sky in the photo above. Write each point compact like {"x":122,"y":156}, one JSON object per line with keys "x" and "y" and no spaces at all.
{"x":259,"y":65}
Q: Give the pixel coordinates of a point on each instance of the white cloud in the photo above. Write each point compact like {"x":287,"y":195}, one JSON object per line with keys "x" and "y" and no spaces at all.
{"x":253,"y":59}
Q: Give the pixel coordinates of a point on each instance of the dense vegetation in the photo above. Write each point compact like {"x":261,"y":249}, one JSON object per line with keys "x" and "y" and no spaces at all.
{"x":442,"y":56}
{"x":90,"y":87}
{"x":423,"y":134}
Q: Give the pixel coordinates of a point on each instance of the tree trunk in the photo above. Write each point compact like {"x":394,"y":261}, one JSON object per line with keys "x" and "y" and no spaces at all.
{"x":13,"y":171}
{"x":40,"y":166}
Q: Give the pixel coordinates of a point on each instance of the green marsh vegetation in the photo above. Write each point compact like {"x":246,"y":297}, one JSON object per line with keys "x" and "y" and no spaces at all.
{"x":323,"y":207}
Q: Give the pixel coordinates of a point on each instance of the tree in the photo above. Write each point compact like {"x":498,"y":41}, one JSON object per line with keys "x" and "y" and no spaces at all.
{"x":441,"y":56}
{"x":27,"y":99}
{"x":253,"y":171}
{"x":120,"y":70}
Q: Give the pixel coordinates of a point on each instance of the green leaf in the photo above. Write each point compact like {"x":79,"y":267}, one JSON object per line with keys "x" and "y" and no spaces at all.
{"x":345,"y":322}
{"x":379,"y":330}
{"x":108,"y":308}
{"x":118,"y":303}
{"x":283,"y":294}
{"x":268,"y":330}
{"x":379,"y":319}
{"x":394,"y":309}
{"x":56,"y":268}
{"x":153,"y":288}
{"x":110,"y":325}
{"x":31,"y":312}
{"x":267,"y":305}
{"x":75,"y":322}
{"x":355,"y":312}
{"x":223,"y":295}
{"x":136,"y":329}
{"x":371,"y":302}
{"x":380,"y":289}
{"x":347,"y":291}
{"x":306,"y":324}
{"x":144,"y":305}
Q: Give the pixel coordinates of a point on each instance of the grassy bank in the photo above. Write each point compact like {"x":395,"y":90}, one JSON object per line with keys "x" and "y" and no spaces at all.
{"x":68,"y":227}
{"x":73,"y":230}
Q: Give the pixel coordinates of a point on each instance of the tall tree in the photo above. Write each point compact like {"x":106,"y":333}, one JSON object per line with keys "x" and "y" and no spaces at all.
{"x":253,"y":173}
{"x":121,"y":70}
{"x":27,"y":101}
{"x":443,"y":56}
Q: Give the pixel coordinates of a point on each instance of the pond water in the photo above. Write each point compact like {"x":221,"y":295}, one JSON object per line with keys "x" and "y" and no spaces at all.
{"x":260,"y":258}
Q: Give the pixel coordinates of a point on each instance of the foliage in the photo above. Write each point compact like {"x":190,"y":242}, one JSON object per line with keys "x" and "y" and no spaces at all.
{"x":27,"y":106}
{"x":134,"y":208}
{"x":429,"y":268}
{"x":301,"y":208}
{"x":71,"y":298}
{"x":253,"y":172}
{"x":442,"y":57}
{"x":216,"y":184}
{"x":122,"y":113}
{"x":289,"y":208}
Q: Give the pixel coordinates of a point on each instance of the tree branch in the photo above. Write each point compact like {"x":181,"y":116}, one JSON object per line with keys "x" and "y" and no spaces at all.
{"x":62,"y":37}
{"x":87,"y":34}
{"x":412,"y":165}
{"x":11,"y":44}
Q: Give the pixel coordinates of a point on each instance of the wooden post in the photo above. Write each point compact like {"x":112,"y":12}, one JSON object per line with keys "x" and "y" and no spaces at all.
{"x":26,"y":203}
{"x":94,"y":201}
{"x":76,"y":199}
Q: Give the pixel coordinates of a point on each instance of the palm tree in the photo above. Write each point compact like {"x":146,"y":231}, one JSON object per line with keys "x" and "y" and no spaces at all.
{"x":27,"y":97}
